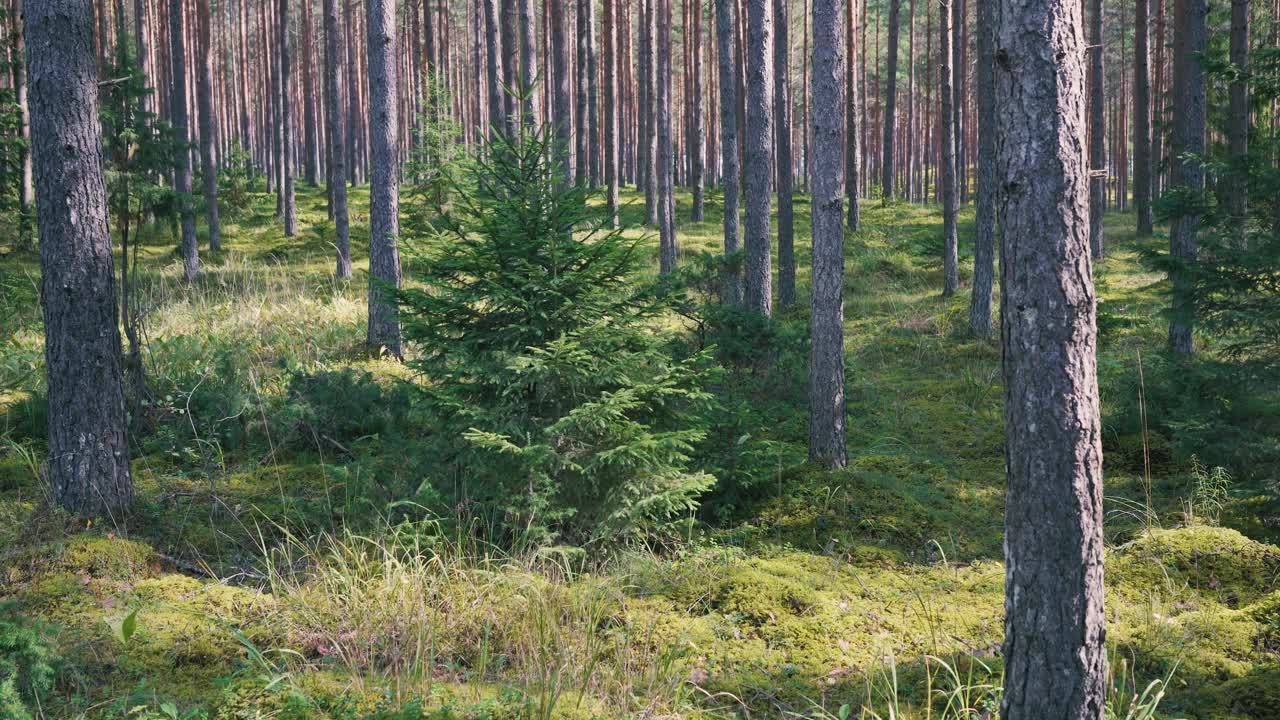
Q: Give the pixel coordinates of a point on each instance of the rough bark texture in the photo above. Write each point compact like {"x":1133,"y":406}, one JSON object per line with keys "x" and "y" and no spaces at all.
{"x":782,"y":142}
{"x":493,"y":64}
{"x":1189,"y":40}
{"x":204,"y":101}
{"x":593,"y":98}
{"x":950,"y":249}
{"x":826,"y":180}
{"x":1142,"y":116}
{"x":697,"y":131}
{"x":1097,"y":131}
{"x":1238,"y":119}
{"x":726,"y":14}
{"x":561,"y":100}
{"x":182,"y":160}
{"x":887,"y":167}
{"x":336,"y":131}
{"x":26,"y":186}
{"x":985,"y":205}
{"x":758,"y":151}
{"x":88,"y":448}
{"x":1054,"y":651}
{"x":528,"y":62}
{"x":667,"y":249}
{"x":510,"y":64}
{"x":853,"y":151}
{"x":310,"y":139}
{"x":582,"y":162}
{"x":611,"y":109}
{"x":289,"y":208}
{"x":384,"y":190}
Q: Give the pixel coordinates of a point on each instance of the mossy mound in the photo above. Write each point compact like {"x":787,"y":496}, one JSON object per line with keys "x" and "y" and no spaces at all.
{"x":1214,"y":562}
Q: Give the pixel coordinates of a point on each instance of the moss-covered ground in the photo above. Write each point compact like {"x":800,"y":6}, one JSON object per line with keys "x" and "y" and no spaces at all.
{"x":239,"y":589}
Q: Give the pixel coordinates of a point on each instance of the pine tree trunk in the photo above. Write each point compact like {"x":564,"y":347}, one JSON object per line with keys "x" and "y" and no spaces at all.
{"x":1142,"y":116}
{"x":182,"y":159}
{"x":853,"y":121}
{"x":826,"y":180}
{"x":88,"y":447}
{"x":667,"y":251}
{"x":611,"y":108}
{"x":355,"y":110}
{"x":336,"y":116}
{"x":890,"y":102}
{"x":947,"y":122}
{"x":510,"y":37}
{"x":26,"y":181}
{"x":204,"y":95}
{"x":1097,"y":134}
{"x":1187,"y":172}
{"x":595,"y":162}
{"x":384,"y":191}
{"x":985,"y":207}
{"x":493,"y":63}
{"x":562,"y":103}
{"x":311,"y":151}
{"x":1238,"y":120}
{"x":582,"y":163}
{"x":289,"y":210}
{"x":758,"y":169}
{"x":783,"y":162}
{"x":528,"y":62}
{"x":1054,"y":652}
{"x":697,"y":133}
{"x":726,"y":13}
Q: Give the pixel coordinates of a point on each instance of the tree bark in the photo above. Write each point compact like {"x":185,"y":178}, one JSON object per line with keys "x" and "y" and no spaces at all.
{"x":758,"y":168}
{"x":1142,"y":116}
{"x":582,"y":163}
{"x":562,"y":103}
{"x":182,"y":158}
{"x":289,"y":209}
{"x":985,"y":205}
{"x":26,"y":181}
{"x":666,"y":152}
{"x":826,"y":180}
{"x":493,"y":62}
{"x":1097,"y":131}
{"x":311,"y":152}
{"x":887,"y":167}
{"x":947,"y":123}
{"x":697,"y":139}
{"x":1187,"y":171}
{"x":782,"y":142}
{"x":611,"y":109}
{"x":88,"y":444}
{"x":528,"y":62}
{"x":336,"y":130}
{"x":726,"y":13}
{"x":384,"y":190}
{"x":1054,"y":651}
{"x":1238,"y":119}
{"x":853,"y":118}
{"x":204,"y":96}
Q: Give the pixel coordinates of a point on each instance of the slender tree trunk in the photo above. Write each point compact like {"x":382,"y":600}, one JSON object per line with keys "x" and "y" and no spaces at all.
{"x":913,"y":143}
{"x":1142,"y":116}
{"x":355,"y":130}
{"x":582,"y":164}
{"x":510,"y":37}
{"x":890,"y":102}
{"x":985,"y":206}
{"x":853,"y":121}
{"x":666,"y":152}
{"x":1238,"y":119}
{"x":610,"y":31}
{"x":826,"y":359}
{"x":88,"y":444}
{"x":782,"y":141}
{"x":182,"y":159}
{"x":310,"y":131}
{"x":289,"y":210}
{"x":384,"y":190}
{"x":204,"y":95}
{"x":726,"y":14}
{"x":336,"y":115}
{"x":528,"y":62}
{"x":562,"y":103}
{"x":758,"y":169}
{"x":1189,"y":42}
{"x":697,"y":133}
{"x":594,"y":171}
{"x":1097,"y":134}
{"x":1054,"y":651}
{"x":493,"y":62}
{"x":947,"y":121}
{"x":26,"y":182}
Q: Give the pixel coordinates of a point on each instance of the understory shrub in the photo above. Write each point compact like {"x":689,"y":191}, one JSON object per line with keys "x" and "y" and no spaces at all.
{"x":554,"y":409}
{"x":28,"y":664}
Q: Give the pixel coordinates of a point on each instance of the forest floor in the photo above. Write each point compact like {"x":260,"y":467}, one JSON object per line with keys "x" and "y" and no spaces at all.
{"x":249,"y":581}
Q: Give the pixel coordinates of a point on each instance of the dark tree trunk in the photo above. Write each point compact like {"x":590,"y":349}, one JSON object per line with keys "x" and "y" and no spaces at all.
{"x":1097,"y":131}
{"x":887,"y":166}
{"x":88,"y":447}
{"x":289,"y":210}
{"x":204,"y":98}
{"x":528,"y":62}
{"x":666,"y":152}
{"x":1054,"y":649}
{"x":561,"y":101}
{"x":1238,"y":119}
{"x":947,"y":122}
{"x":311,"y":152}
{"x":985,"y":206}
{"x":582,"y":163}
{"x":726,"y":13}
{"x":493,"y":62}
{"x":334,"y":54}
{"x":182,"y":159}
{"x":826,"y":360}
{"x":1187,"y":172}
{"x":611,"y":108}
{"x":510,"y":64}
{"x":758,"y":169}
{"x":1142,"y":116}
{"x":355,"y":130}
{"x":697,"y":132}
{"x":593,"y":98}
{"x":782,"y":137}
{"x":384,"y":191}
{"x":853,"y":116}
